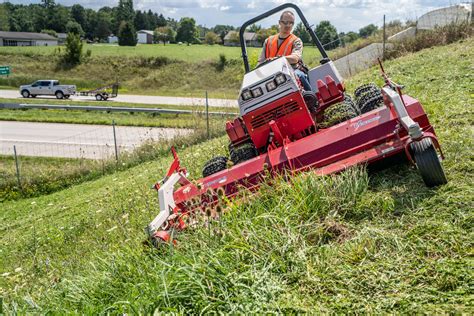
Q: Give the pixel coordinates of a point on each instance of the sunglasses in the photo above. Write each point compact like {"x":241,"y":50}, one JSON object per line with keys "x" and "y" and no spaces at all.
{"x":287,"y":22}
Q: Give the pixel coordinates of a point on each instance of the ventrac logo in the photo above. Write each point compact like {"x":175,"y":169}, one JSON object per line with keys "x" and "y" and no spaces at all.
{"x":361,"y":123}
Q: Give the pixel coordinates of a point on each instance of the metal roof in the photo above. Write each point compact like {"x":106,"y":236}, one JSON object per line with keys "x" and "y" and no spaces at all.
{"x":248,"y":36}
{"x":146,"y":32}
{"x":27,"y":36}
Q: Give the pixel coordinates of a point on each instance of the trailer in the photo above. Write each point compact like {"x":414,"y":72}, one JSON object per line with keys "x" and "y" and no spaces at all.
{"x":102,"y":93}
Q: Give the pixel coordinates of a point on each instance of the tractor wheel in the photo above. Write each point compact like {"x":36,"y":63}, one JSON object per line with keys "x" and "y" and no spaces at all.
{"x":311,"y":101}
{"x":242,"y":153}
{"x":370,"y":101}
{"x":359,"y":91}
{"x":98,"y":97}
{"x":214,"y":165}
{"x":338,"y":113}
{"x":428,"y":163}
{"x":348,"y":100}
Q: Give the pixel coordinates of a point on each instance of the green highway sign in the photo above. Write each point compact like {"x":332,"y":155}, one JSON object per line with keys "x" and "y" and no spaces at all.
{"x":4,"y":70}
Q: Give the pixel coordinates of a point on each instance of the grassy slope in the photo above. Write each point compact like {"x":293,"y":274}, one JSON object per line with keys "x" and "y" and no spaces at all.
{"x":345,"y":243}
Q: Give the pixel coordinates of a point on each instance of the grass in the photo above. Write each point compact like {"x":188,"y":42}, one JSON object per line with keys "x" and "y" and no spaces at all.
{"x":351,"y":243}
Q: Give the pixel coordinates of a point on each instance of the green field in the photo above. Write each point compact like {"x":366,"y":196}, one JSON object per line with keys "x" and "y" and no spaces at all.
{"x":352,"y":243}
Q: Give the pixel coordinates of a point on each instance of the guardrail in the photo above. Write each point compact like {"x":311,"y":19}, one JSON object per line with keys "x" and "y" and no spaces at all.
{"x":19,"y":106}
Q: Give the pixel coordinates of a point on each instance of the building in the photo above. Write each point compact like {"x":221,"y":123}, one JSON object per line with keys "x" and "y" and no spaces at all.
{"x":145,"y":37}
{"x":112,"y":39}
{"x":61,"y":38}
{"x":232,"y":39}
{"x":27,"y":39}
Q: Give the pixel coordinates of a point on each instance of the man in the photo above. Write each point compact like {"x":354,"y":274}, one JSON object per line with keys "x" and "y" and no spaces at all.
{"x":286,"y":44}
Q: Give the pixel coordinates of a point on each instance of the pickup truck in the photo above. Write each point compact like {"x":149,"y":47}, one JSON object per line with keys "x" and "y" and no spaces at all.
{"x":47,"y":87}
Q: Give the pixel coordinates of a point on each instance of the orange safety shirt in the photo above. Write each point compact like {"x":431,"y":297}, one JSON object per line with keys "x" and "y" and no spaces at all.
{"x":285,"y":49}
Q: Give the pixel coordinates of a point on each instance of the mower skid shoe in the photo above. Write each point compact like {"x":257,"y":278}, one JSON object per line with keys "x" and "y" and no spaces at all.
{"x":167,"y":203}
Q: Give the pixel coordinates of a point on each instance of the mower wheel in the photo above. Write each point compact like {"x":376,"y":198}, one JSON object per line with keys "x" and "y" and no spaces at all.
{"x":428,"y":163}
{"x":370,"y":101}
{"x":338,"y":113}
{"x":214,"y":165}
{"x":242,"y":153}
{"x":359,"y":91}
{"x":311,"y":101}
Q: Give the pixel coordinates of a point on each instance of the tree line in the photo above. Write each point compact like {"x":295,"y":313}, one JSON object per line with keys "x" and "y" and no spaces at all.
{"x":123,"y":21}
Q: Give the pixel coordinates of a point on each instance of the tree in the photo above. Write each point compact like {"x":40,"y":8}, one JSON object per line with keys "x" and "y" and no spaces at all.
{"x":327,"y":34}
{"x":50,"y":32}
{"x":4,"y":18}
{"x":75,"y":28}
{"x":163,"y":34}
{"x":255,"y":28}
{"x":350,"y":37}
{"x":78,"y":13}
{"x":263,"y":34}
{"x":127,"y":35}
{"x":211,"y":38}
{"x":368,"y":30}
{"x":302,"y":33}
{"x":222,"y":30}
{"x":187,"y":31}
{"x":140,"y":21}
{"x":73,"y":53}
{"x":234,"y":37}
{"x":103,"y":27}
{"x":125,"y":11}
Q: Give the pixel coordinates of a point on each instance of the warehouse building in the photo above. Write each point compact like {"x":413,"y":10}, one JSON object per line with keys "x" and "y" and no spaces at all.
{"x":26,"y":39}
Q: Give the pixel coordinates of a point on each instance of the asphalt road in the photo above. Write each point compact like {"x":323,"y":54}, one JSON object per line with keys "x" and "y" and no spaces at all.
{"x":137,"y":99}
{"x":76,"y":140}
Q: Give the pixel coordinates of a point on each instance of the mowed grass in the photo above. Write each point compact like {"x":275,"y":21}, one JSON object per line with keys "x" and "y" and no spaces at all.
{"x":351,"y":243}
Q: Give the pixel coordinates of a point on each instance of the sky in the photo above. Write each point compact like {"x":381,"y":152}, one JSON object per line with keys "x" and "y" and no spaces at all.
{"x":345,"y":15}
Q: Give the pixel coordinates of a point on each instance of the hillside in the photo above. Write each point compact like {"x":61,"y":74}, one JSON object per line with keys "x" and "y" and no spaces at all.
{"x":355,"y":242}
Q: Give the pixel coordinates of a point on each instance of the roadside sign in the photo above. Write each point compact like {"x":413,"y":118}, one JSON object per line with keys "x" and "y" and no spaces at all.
{"x":4,"y":70}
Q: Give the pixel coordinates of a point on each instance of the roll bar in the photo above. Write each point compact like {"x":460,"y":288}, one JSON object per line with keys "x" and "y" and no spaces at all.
{"x":315,"y":39}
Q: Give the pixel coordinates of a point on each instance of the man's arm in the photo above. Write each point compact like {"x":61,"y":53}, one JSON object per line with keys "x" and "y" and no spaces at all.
{"x":296,"y":53}
{"x":261,"y":58}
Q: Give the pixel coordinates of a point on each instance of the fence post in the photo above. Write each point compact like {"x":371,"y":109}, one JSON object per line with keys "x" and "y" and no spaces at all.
{"x":115,"y":140}
{"x":383,"y":45}
{"x":17,"y":169}
{"x":207,"y":116}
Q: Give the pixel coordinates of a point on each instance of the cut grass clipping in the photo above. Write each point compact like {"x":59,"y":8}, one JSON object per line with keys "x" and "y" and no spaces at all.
{"x":350,"y":243}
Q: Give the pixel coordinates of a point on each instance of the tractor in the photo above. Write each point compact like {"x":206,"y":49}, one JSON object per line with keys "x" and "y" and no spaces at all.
{"x":285,"y":129}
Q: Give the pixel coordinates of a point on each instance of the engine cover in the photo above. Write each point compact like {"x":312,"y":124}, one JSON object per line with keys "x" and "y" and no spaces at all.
{"x":261,"y":78}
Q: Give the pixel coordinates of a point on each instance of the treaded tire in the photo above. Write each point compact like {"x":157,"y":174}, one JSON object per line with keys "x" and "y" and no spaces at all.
{"x":25,"y":94}
{"x":59,"y":95}
{"x":338,"y":113}
{"x":311,"y":101}
{"x":428,"y":163}
{"x":348,"y":100}
{"x":360,"y":90}
{"x":370,"y":101}
{"x":214,"y":165}
{"x":242,"y":153}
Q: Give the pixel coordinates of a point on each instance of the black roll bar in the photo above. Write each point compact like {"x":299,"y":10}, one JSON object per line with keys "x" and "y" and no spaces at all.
{"x":315,"y":39}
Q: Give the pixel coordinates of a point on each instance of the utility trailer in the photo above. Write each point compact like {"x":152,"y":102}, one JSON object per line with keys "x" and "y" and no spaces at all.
{"x":284,"y":129}
{"x":102,"y":93}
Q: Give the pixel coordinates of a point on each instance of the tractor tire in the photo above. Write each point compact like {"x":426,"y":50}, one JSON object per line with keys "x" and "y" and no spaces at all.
{"x":370,"y":101}
{"x":214,"y":165}
{"x":25,"y":94}
{"x":311,"y":101}
{"x":359,"y":91}
{"x":428,"y":163}
{"x":59,"y":95}
{"x":242,"y":153}
{"x":348,"y":100}
{"x":338,"y":113}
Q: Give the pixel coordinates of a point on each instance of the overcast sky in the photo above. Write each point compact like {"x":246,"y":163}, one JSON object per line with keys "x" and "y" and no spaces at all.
{"x":346,"y":15}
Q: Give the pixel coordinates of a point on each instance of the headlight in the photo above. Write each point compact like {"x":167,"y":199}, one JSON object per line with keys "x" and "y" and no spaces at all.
{"x":246,"y":95}
{"x":257,"y":92}
{"x":271,"y":85}
{"x":280,"y":79}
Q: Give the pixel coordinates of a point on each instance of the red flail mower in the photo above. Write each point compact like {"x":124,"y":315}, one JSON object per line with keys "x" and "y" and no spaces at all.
{"x":282,"y":128}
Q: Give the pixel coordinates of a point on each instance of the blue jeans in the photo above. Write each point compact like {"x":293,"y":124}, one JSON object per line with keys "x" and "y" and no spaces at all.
{"x":304,"y":79}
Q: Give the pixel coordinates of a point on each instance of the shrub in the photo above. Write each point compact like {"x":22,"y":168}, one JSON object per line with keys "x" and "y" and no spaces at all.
{"x":73,"y":50}
{"x":221,"y":63}
{"x":127,"y":35}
